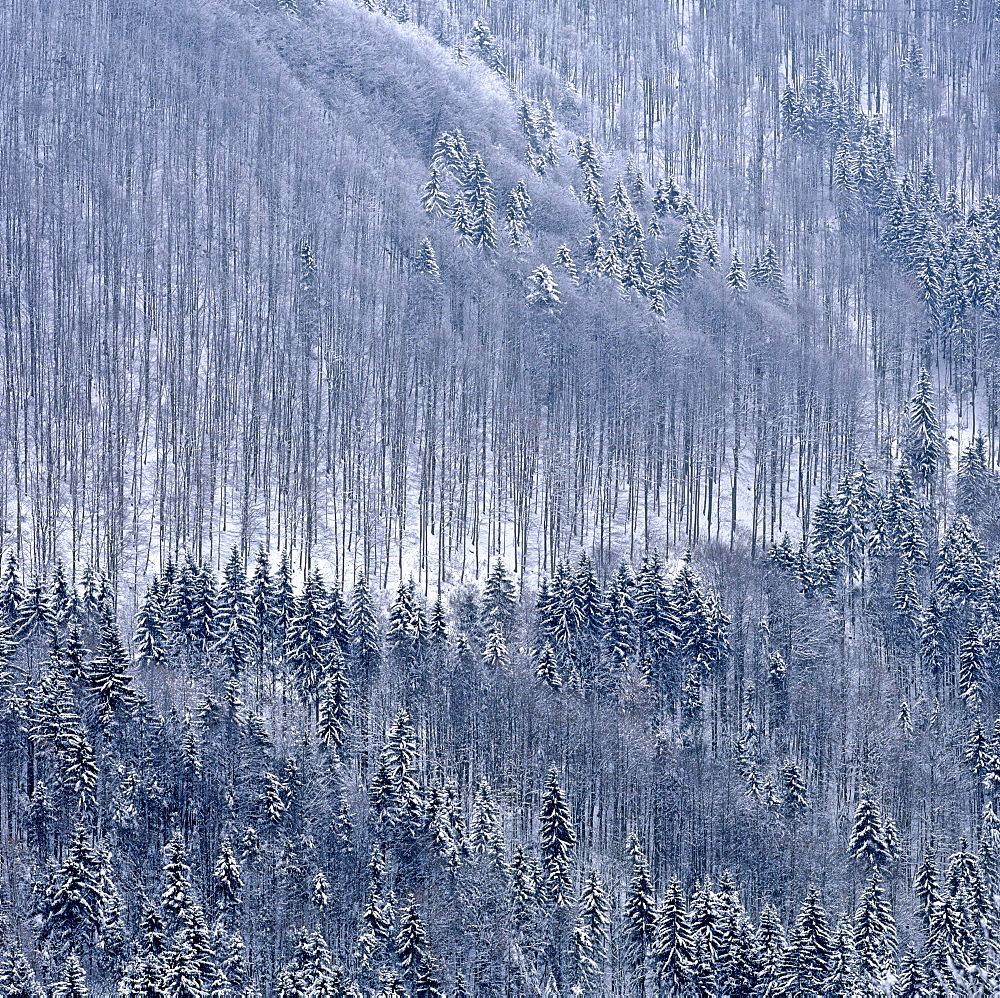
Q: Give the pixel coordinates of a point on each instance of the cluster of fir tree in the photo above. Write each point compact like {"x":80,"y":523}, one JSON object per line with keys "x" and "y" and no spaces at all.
{"x":644,"y":627}
{"x":651,"y":244}
{"x":268,"y":828}
{"x":105,"y":764}
{"x":937,"y":602}
{"x":472,"y":209}
{"x":952,"y":255}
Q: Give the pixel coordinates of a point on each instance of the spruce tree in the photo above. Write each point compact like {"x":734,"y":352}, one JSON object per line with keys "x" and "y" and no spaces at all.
{"x":480,"y":204}
{"x":547,"y":668}
{"x":558,"y":837}
{"x":426,"y":262}
{"x":871,"y":840}
{"x":79,"y":902}
{"x":736,"y":279}
{"x":543,"y":292}
{"x":109,"y":684}
{"x":499,"y":598}
{"x":875,"y":931}
{"x":412,"y":949}
{"x":913,"y":981}
{"x":307,"y":640}
{"x":228,"y":876}
{"x":366,"y":636}
{"x":925,"y":446}
{"x":395,"y":795}
{"x":673,"y":947}
{"x":17,"y":978}
{"x":72,"y":981}
{"x":434,"y":199}
{"x":639,"y":915}
{"x":807,"y":959}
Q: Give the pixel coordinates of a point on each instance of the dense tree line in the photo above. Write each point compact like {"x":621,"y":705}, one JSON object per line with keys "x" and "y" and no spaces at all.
{"x":715,"y":775}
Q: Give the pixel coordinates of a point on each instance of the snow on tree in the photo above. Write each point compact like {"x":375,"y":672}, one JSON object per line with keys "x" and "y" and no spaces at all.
{"x":557,"y":837}
{"x":543,"y":292}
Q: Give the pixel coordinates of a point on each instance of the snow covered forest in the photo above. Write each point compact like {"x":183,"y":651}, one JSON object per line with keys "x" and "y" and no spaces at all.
{"x":500,"y":499}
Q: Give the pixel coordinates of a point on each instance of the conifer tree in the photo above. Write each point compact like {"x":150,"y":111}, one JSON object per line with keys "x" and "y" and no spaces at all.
{"x":376,"y":933}
{"x":72,"y":982}
{"x":793,"y":788}
{"x":411,"y":943}
{"x":547,"y":668}
{"x":366,"y":639}
{"x":228,"y":876}
{"x":875,"y":930}
{"x":395,"y":795}
{"x":480,"y":203}
{"x":109,"y":685}
{"x":79,"y":902}
{"x":426,"y":262}
{"x":485,"y":830}
{"x":872,"y":840}
{"x":558,"y":837}
{"x":307,"y":640}
{"x":334,"y":693}
{"x":766,"y":275}
{"x":543,"y":292}
{"x":310,"y":972}
{"x":844,"y":978}
{"x":17,"y":978}
{"x":150,"y":634}
{"x":500,"y":598}
{"x":925,"y":446}
{"x":913,"y":981}
{"x":564,"y":259}
{"x":972,"y":669}
{"x":807,"y":959}
{"x":673,"y":948}
{"x":485,"y":46}
{"x":926,"y":886}
{"x":434,"y":199}
{"x":591,"y":929}
{"x":736,"y":279}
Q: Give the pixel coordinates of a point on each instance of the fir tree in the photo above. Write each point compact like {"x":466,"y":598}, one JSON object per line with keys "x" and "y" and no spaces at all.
{"x":736,"y":279}
{"x":109,"y":685}
{"x":558,"y":838}
{"x":925,"y":447}
{"x":872,"y":838}
{"x":485,"y":46}
{"x":591,"y":929}
{"x":807,"y":959}
{"x":477,"y":194}
{"x":72,"y":982}
{"x":426,"y":262}
{"x":366,"y":638}
{"x":673,"y":948}
{"x":79,"y":901}
{"x":307,"y":640}
{"x":17,"y":978}
{"x":411,"y":944}
{"x":547,"y":668}
{"x":228,"y":876}
{"x":394,"y":790}
{"x":913,"y":981}
{"x":485,"y":830}
{"x":543,"y":292}
{"x":500,"y":598}
{"x":875,"y":930}
{"x":434,"y":199}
